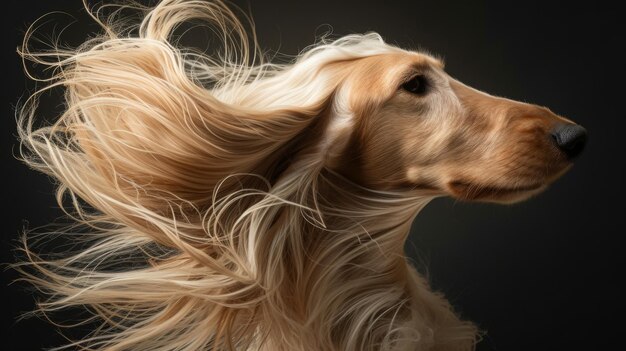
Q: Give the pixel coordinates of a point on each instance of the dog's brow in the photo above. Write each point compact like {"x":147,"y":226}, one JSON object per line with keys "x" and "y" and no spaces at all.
{"x":436,"y":61}
{"x":416,"y":68}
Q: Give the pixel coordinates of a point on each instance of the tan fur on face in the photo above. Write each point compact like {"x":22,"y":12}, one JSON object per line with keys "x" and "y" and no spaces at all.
{"x":453,"y":140}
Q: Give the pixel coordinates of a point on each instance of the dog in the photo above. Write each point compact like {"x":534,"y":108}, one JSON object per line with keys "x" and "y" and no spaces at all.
{"x":224,"y":202}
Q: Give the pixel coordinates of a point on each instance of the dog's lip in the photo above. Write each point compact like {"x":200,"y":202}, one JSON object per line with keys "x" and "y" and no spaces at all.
{"x":473,"y":190}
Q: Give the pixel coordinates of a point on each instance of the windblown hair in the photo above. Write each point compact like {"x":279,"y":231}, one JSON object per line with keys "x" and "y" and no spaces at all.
{"x":208,"y":216}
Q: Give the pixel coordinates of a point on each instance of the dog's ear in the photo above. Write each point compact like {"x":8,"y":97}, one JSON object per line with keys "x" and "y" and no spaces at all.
{"x":141,"y":137}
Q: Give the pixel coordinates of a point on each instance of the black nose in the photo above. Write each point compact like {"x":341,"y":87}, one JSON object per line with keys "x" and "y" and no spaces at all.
{"x":570,"y":138}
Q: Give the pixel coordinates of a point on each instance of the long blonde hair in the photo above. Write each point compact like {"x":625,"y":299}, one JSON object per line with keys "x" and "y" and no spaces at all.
{"x":206,"y":216}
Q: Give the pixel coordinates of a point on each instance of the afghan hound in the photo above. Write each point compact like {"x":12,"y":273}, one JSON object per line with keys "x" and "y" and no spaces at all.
{"x":226,"y":201}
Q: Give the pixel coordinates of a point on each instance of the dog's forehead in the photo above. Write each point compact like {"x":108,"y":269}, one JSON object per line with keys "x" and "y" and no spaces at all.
{"x":389,"y":67}
{"x":380,"y":72}
{"x":424,"y":59}
{"x":417,"y":60}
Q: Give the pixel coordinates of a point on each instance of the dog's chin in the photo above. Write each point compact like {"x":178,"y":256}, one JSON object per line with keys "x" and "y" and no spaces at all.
{"x":517,"y":191}
{"x":470,"y":191}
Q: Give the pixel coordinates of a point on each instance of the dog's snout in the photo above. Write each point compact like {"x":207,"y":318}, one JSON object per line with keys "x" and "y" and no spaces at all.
{"x":570,"y":139}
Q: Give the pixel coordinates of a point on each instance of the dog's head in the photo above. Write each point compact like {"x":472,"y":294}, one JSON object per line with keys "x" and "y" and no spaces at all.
{"x":418,"y":129}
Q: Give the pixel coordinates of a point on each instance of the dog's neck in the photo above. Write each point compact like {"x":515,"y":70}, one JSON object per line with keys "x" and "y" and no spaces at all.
{"x":348,"y":246}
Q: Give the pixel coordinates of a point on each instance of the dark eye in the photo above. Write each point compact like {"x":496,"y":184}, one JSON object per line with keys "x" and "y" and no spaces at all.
{"x":417,"y":85}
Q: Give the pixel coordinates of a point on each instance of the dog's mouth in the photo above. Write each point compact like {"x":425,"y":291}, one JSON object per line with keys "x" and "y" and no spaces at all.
{"x":478,"y":192}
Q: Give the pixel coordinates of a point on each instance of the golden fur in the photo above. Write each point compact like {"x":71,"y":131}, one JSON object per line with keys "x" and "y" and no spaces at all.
{"x":262,"y":206}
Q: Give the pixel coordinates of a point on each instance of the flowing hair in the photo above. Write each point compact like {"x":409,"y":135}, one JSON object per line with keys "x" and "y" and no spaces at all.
{"x":205,"y":214}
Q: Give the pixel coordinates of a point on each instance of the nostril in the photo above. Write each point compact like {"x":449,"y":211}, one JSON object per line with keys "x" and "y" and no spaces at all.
{"x":570,"y":138}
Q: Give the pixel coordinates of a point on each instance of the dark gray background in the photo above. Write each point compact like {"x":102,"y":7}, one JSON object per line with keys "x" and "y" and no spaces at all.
{"x":542,"y":275}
